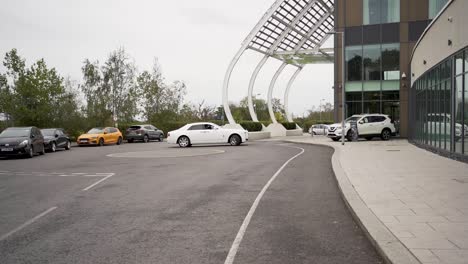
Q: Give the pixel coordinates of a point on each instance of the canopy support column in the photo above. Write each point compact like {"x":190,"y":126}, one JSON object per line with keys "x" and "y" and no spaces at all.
{"x":286,"y":95}
{"x":270,"y":92}
{"x":260,"y":65}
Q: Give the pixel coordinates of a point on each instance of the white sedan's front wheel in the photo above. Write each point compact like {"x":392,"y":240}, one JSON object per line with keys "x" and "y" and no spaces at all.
{"x":183,"y":142}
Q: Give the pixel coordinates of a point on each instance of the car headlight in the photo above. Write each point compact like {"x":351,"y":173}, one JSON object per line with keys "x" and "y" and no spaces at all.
{"x":23,"y":144}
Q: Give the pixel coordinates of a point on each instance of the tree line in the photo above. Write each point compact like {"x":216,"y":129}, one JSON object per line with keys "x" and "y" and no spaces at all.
{"x":112,"y":92}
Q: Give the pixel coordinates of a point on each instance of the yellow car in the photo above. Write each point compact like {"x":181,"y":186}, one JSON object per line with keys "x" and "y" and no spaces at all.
{"x":100,"y":136}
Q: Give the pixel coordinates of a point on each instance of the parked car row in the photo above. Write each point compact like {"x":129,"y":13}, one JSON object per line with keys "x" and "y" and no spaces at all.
{"x":28,"y":141}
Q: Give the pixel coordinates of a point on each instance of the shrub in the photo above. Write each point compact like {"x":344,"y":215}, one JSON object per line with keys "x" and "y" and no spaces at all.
{"x":265,"y":123}
{"x":289,"y":125}
{"x":251,"y":126}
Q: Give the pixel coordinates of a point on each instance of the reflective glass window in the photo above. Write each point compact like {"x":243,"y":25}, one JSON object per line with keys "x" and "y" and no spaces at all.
{"x":371,"y":12}
{"x":390,"y":11}
{"x":372,"y":107}
{"x":381,"y":11}
{"x":391,"y":62}
{"x":458,"y":113}
{"x":353,"y":96}
{"x":465,"y":125}
{"x":371,"y":86}
{"x":390,"y":95}
{"x":371,"y":62}
{"x":353,"y":86}
{"x":459,"y":64}
{"x":466,"y":60}
{"x":354,"y":63}
{"x":353,"y":108}
{"x":371,"y":96}
{"x":435,"y":6}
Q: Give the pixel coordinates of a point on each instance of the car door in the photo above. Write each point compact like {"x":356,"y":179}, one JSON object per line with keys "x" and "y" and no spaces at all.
{"x":195,"y":133}
{"x":364,"y":126}
{"x":60,"y":138}
{"x":108,"y":135}
{"x":115,"y":134}
{"x":157,"y":132}
{"x":218,"y":134}
{"x":378,"y":124}
{"x":38,"y":139}
{"x":151,"y":132}
{"x":209,"y":134}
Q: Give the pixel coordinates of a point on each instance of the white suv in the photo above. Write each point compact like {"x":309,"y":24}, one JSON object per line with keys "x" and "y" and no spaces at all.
{"x":368,"y":125}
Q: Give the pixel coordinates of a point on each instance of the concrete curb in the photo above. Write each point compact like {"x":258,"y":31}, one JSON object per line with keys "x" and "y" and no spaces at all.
{"x":389,"y":247}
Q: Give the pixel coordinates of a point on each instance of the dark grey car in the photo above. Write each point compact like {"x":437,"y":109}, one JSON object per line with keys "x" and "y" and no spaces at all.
{"x":16,"y":141}
{"x":55,"y":138}
{"x":144,"y":133}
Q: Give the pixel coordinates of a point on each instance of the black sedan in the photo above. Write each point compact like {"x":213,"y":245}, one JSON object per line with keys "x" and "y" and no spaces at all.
{"x":55,"y":138}
{"x":25,"y":141}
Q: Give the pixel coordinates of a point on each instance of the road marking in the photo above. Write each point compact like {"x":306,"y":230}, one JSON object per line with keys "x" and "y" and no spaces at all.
{"x":79,"y":173}
{"x":5,"y":236}
{"x":240,"y":235}
{"x":96,"y":183}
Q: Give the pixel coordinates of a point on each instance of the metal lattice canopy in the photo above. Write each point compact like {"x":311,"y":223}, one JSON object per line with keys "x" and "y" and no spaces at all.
{"x":292,"y":31}
{"x":294,"y":26}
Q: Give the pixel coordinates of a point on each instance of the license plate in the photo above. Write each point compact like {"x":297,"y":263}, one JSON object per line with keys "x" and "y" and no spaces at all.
{"x":7,"y":149}
{"x":83,"y":140}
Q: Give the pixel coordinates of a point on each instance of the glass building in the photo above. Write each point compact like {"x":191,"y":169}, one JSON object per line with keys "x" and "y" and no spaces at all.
{"x":439,"y":93}
{"x":379,"y":38}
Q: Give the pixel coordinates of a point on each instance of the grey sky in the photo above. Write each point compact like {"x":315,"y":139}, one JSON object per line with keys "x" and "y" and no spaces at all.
{"x":193,"y":40}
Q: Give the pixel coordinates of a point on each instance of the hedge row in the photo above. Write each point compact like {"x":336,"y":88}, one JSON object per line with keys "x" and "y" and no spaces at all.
{"x":289,"y":125}
{"x":251,"y":126}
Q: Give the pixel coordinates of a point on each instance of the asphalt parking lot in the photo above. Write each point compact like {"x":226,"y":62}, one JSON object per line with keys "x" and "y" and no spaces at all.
{"x":153,"y":203}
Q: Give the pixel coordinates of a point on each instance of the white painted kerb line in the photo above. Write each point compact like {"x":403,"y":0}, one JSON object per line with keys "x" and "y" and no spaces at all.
{"x":5,"y":236}
{"x":240,"y":235}
{"x":96,"y":183}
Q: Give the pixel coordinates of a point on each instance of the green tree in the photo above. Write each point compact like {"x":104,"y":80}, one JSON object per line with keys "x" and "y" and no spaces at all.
{"x":111,"y":91}
{"x":150,"y":90}
{"x":36,"y":93}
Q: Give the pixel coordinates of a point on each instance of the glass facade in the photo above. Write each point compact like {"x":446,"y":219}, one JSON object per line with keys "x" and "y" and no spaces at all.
{"x":381,"y":11}
{"x":373,"y":79}
{"x":435,"y":6}
{"x":439,"y":107}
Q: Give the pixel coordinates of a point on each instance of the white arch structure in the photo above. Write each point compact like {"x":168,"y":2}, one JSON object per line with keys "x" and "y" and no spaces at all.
{"x":292,"y":31}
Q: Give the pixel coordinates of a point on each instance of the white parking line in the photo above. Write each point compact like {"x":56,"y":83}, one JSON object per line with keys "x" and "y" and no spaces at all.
{"x":240,"y":235}
{"x":96,"y":183}
{"x":5,"y":236}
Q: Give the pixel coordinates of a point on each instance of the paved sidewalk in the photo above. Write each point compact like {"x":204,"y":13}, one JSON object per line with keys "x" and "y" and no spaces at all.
{"x":415,"y":197}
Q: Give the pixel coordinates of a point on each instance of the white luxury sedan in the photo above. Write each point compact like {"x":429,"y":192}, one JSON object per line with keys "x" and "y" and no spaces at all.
{"x":206,"y":133}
